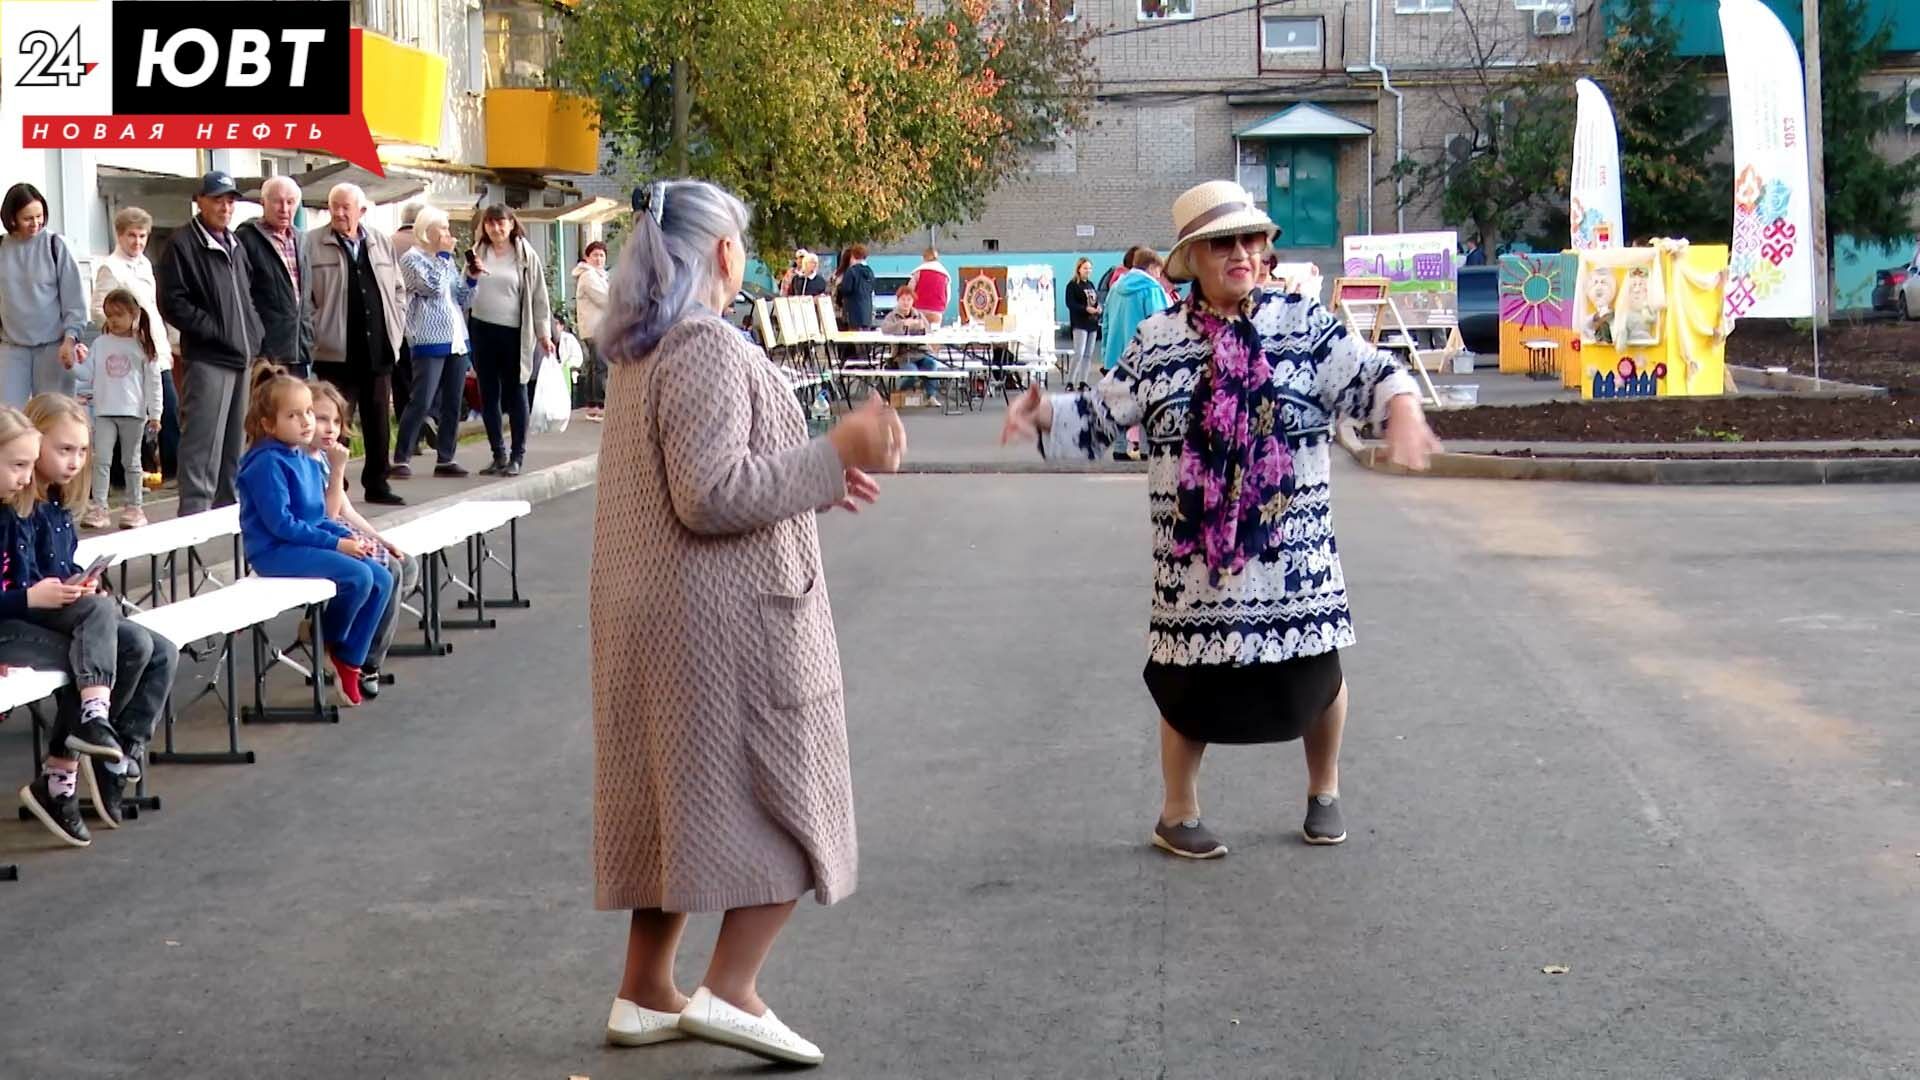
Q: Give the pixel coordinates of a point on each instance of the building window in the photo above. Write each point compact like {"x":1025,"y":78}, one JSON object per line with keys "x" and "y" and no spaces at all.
{"x":1153,"y":10}
{"x":396,"y":19}
{"x":518,"y":36}
{"x":1290,"y":34}
{"x":476,"y":52}
{"x":1421,"y":7}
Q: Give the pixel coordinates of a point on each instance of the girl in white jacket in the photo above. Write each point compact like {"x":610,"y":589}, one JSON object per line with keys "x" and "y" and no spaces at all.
{"x":120,"y":379}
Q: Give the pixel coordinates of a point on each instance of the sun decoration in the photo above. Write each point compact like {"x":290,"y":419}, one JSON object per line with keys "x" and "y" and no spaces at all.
{"x":1533,"y":292}
{"x":981,"y":298}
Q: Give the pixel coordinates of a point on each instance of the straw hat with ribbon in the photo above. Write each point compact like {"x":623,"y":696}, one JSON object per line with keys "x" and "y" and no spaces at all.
{"x":1215,"y":208}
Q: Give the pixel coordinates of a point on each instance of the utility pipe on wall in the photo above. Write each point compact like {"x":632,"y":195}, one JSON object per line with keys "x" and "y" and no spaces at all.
{"x":1399,"y":115}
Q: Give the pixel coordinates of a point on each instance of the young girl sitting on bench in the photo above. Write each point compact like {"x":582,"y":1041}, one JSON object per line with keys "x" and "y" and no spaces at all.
{"x":286,"y":531}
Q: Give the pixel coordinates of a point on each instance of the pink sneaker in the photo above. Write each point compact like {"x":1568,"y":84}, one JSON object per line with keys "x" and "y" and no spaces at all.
{"x":95,"y":518}
{"x":133,"y":518}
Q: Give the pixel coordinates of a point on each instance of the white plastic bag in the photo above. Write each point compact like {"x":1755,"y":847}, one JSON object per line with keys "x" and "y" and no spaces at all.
{"x":552,"y":405}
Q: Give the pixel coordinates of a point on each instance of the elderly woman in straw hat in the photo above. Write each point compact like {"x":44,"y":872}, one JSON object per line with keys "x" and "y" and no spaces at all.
{"x":1238,"y":387}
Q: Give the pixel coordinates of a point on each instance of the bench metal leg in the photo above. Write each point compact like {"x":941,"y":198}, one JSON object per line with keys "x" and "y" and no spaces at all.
{"x":431,"y":643}
{"x":480,"y":600}
{"x":233,"y":755}
{"x":476,"y":589}
{"x":319,"y":712}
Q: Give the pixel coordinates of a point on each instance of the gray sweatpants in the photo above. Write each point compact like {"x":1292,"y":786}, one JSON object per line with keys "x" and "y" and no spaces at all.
{"x":406,"y":578}
{"x":26,"y":370}
{"x":213,"y":414}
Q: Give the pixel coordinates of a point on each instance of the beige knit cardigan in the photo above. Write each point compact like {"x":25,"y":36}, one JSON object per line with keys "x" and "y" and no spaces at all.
{"x":720,"y":743}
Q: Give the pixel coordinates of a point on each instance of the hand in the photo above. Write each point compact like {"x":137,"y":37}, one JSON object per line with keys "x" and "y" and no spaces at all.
{"x":67,"y":357}
{"x":350,"y":545}
{"x":861,"y":488}
{"x":1030,"y":415}
{"x":84,"y":399}
{"x":1410,"y":442}
{"x":79,"y":354}
{"x":393,"y":551}
{"x":52,"y":593}
{"x":546,"y":343}
{"x":337,"y":455}
{"x":870,"y":438}
{"x":153,"y":426}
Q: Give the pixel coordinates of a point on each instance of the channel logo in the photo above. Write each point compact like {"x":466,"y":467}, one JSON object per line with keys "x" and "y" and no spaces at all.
{"x":169,"y":74}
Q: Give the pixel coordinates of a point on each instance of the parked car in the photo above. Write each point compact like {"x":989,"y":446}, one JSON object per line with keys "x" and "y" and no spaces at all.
{"x":884,"y":288}
{"x":1887,"y":285}
{"x":1909,"y":300}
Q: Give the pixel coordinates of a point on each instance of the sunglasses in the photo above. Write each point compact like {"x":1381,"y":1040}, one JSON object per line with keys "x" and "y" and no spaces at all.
{"x":1253,"y":243}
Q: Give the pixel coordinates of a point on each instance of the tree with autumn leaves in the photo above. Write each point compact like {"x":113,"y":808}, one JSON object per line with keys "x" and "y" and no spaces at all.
{"x":836,"y":120}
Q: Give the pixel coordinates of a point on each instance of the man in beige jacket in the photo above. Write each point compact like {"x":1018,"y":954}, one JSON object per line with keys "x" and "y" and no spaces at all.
{"x":359,"y":321}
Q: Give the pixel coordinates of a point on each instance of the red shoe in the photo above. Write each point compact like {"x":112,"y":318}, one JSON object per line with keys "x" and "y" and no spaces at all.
{"x":346,"y":683}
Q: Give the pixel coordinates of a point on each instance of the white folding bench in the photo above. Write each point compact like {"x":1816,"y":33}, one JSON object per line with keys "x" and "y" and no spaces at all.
{"x":160,"y":544}
{"x":248,"y":604}
{"x":429,"y":538}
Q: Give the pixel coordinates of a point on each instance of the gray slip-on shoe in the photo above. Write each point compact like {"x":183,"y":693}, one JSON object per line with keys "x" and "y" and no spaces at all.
{"x":1188,"y":839}
{"x":1324,"y":824}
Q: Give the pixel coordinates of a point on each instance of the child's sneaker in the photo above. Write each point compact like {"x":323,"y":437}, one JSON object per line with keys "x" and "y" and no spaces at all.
{"x":346,"y":683}
{"x":95,"y":518}
{"x":106,"y":789}
{"x":133,"y":518}
{"x":96,"y":738}
{"x":61,"y":816}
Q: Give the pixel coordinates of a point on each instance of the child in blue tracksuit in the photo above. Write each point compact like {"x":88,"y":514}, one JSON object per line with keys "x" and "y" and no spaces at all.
{"x":287,"y":533}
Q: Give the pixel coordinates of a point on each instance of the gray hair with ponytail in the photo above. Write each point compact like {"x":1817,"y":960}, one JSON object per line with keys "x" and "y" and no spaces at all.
{"x":668,"y":265}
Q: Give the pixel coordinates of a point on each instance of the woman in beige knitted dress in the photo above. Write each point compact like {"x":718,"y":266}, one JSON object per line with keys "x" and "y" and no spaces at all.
{"x":720,"y":767}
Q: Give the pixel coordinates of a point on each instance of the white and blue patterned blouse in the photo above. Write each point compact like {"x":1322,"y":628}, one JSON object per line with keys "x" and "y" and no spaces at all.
{"x":1292,"y":601}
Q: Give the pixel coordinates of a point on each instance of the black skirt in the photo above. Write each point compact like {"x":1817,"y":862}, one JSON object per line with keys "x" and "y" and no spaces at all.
{"x":1258,"y":703}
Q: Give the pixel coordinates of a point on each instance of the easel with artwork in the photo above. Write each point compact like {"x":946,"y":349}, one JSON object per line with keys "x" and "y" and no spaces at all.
{"x":1366,"y":305}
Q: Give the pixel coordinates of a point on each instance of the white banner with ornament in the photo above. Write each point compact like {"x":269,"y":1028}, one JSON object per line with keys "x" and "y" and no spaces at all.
{"x":1770,"y":272}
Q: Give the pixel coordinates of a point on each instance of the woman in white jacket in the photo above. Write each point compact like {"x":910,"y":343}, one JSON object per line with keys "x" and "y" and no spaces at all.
{"x":590,"y":285}
{"x":129,"y":268}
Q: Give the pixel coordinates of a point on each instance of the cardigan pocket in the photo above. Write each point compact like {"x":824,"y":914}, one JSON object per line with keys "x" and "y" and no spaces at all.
{"x":802,"y":661}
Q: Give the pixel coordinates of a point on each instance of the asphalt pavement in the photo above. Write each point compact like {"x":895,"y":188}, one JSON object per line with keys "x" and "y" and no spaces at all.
{"x":1662,"y":737}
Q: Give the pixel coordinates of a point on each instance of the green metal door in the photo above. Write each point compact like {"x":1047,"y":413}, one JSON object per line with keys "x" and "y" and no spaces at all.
{"x":1303,"y":192}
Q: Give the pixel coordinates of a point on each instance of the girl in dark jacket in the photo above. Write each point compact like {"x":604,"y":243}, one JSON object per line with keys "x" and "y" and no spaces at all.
{"x":1083,"y":315}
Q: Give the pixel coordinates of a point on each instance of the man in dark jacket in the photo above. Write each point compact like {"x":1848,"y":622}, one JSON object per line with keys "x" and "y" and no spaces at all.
{"x":206,"y":294}
{"x":277,"y":266}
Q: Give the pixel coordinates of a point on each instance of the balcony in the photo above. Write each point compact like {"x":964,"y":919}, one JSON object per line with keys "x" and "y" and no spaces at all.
{"x":541,"y":131}
{"x":402,"y":91}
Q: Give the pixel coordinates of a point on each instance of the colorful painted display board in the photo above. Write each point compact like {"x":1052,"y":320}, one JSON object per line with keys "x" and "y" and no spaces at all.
{"x":1014,"y":298}
{"x":1422,"y":269}
{"x":1647,"y":322}
{"x":1536,"y":304}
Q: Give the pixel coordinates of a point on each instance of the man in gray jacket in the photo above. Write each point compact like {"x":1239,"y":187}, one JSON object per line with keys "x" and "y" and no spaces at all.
{"x":205,"y":293}
{"x":359,"y":321}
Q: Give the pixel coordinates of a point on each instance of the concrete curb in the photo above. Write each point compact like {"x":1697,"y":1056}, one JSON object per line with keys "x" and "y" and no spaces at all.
{"x":1803,"y":385}
{"x":1651,"y":470}
{"x":1023,"y":468}
{"x":538,"y":486}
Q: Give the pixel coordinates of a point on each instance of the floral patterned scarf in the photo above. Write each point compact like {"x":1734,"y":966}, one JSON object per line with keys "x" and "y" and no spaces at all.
{"x":1236,"y":473}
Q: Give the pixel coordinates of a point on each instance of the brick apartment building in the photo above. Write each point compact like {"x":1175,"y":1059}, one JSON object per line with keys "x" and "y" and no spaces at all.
{"x":1309,"y":103}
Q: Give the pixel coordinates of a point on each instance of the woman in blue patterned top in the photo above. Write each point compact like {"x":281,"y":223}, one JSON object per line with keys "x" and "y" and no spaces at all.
{"x":1238,"y":389}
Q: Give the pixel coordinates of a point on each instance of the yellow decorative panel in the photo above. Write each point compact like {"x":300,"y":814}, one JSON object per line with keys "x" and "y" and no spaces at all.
{"x":541,"y":131}
{"x":401,"y":91}
{"x":1648,"y":321}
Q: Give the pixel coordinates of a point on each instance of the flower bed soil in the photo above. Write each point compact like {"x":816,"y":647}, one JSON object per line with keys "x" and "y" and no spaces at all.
{"x":1752,"y":418}
{"x":1882,"y":352}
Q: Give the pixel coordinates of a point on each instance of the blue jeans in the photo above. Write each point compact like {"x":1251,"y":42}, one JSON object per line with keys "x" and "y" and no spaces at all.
{"x":439,"y":387}
{"x":353,"y":616}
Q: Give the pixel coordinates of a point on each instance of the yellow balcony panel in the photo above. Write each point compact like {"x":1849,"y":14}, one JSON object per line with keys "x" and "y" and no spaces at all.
{"x":542,"y":131}
{"x":401,"y":91}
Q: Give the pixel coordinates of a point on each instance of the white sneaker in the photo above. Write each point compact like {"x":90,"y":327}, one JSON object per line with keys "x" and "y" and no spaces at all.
{"x":632,"y":1025}
{"x":713,"y":1020}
